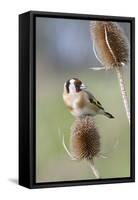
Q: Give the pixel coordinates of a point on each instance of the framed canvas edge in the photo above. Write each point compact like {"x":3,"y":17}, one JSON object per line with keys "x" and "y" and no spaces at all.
{"x":24,"y":46}
{"x":30,"y":134}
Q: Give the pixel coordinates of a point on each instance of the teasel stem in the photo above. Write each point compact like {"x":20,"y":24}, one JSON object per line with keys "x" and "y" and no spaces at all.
{"x":119,"y":72}
{"x":94,"y":169}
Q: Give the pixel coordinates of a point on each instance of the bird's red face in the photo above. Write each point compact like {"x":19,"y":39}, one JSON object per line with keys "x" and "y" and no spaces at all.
{"x":74,"y":85}
{"x":78,"y":84}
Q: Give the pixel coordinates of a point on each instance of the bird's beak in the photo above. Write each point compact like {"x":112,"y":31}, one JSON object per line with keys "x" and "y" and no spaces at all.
{"x":83,"y":86}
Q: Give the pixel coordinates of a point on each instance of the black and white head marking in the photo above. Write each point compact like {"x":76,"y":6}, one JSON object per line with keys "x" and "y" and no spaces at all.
{"x":74,"y":85}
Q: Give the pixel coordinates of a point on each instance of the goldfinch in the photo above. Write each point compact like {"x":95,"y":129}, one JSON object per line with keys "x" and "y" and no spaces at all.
{"x":81,"y":102}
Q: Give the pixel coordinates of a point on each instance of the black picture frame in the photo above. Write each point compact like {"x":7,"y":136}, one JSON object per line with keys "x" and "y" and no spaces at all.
{"x":27,"y":92}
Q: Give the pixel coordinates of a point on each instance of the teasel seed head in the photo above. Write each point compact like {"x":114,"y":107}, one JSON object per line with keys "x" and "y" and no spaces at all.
{"x":85,"y":139}
{"x":111,"y":48}
{"x":110,"y":44}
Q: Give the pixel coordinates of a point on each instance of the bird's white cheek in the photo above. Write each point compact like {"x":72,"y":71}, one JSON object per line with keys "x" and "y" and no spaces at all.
{"x":72,"y":89}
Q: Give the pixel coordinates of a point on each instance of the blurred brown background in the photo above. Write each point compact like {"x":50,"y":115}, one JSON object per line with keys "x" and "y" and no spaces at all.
{"x":64,"y":50}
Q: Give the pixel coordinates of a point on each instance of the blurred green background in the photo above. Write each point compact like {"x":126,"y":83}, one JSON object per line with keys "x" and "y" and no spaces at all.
{"x":63,"y":51}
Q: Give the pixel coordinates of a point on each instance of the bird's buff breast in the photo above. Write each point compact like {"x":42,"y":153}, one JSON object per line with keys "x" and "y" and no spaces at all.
{"x":78,"y":105}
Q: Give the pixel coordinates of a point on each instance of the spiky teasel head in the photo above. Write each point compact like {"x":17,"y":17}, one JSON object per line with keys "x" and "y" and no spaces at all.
{"x":85,"y":140}
{"x":110,"y":44}
{"x":111,"y":48}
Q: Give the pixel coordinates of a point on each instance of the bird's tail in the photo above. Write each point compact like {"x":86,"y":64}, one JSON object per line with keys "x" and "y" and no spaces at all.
{"x":108,"y":115}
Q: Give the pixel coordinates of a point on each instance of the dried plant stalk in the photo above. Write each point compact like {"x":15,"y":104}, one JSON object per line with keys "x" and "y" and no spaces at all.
{"x":95,"y":171}
{"x":111,"y":49}
{"x":85,"y":141}
{"x":123,"y":91}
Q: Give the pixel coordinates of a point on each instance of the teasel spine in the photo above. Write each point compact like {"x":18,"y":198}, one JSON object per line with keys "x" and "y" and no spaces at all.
{"x":111,"y":48}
